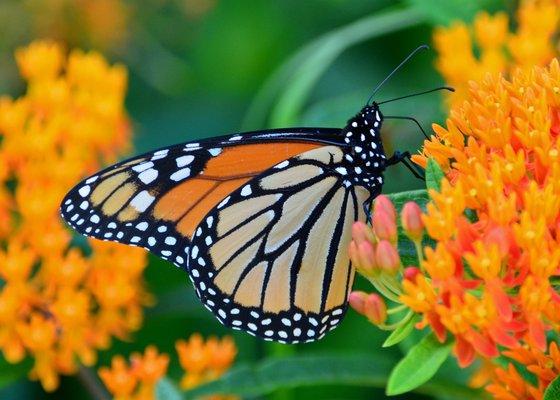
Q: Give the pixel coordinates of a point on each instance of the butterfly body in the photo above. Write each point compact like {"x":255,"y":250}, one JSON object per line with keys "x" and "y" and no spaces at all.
{"x":366,"y":159}
{"x":260,"y":221}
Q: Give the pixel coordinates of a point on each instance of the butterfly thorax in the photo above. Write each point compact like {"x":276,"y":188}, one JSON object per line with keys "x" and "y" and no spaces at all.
{"x":364,"y":156}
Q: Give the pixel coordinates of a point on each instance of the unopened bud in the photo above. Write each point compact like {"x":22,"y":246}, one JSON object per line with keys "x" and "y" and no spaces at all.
{"x":387,"y":257}
{"x":362,"y":233}
{"x":382,"y":203}
{"x":375,"y":309}
{"x":411,"y":217}
{"x":384,"y":226}
{"x":410,"y":273}
{"x":366,"y":258}
{"x":357,"y":301}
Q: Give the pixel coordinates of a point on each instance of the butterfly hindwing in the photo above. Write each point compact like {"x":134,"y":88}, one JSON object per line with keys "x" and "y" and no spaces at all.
{"x":271,"y":258}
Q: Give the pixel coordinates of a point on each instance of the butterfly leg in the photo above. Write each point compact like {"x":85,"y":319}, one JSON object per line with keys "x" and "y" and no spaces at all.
{"x":367,"y":206}
{"x":404,"y":158}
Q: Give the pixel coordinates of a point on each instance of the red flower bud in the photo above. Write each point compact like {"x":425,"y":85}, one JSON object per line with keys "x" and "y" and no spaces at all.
{"x":366,"y":258}
{"x":357,"y":301}
{"x":383,"y":204}
{"x":375,"y":309}
{"x":387,"y":257}
{"x":362,"y":233}
{"x":411,"y":217}
{"x":384,"y":226}
{"x":410,"y":273}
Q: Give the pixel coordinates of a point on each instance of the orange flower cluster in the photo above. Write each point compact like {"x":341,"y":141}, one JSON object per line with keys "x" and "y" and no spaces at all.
{"x":204,"y":361}
{"x":136,"y":381}
{"x":201,"y":360}
{"x":500,"y":51}
{"x":58,"y":303}
{"x":490,"y":279}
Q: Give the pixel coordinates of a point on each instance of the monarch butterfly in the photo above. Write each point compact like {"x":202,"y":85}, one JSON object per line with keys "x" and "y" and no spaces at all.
{"x":260,"y":220}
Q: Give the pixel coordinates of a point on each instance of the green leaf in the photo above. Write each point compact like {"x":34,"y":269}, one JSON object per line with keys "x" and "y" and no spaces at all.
{"x":166,"y":390}
{"x":297,"y":371}
{"x":445,"y":389}
{"x":434,"y":175}
{"x":293,"y":81}
{"x":553,"y":390}
{"x":401,"y":333}
{"x":419,"y":196}
{"x":10,"y":373}
{"x":418,"y":366}
{"x":443,"y":12}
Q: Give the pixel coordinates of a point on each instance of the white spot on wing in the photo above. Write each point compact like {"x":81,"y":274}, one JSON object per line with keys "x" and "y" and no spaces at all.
{"x":142,"y":167}
{"x":184,"y":160}
{"x":84,"y":190}
{"x":180,"y":174}
{"x":283,"y":164}
{"x":342,"y":170}
{"x":223,"y":202}
{"x":142,"y":201}
{"x":142,"y":226}
{"x":148,"y":176}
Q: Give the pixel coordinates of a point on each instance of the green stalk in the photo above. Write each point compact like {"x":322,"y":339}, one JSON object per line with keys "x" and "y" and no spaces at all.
{"x":292,"y":83}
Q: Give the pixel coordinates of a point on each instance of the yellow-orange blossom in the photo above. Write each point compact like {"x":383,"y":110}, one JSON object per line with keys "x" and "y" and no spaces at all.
{"x":489,"y":280}
{"x":58,"y":304}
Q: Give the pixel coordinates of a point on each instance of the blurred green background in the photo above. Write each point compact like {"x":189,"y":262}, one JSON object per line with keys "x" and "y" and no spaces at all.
{"x":200,"y":68}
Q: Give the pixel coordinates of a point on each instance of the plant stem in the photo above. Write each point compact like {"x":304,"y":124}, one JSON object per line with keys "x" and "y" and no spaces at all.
{"x":92,"y":384}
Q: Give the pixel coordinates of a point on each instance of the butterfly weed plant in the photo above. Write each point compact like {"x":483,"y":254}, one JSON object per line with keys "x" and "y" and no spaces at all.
{"x":468,"y":267}
{"x":61,"y":302}
{"x":486,"y":285}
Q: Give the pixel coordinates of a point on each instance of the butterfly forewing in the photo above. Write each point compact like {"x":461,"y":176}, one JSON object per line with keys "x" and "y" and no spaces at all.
{"x":271,"y":258}
{"x":158,"y":199}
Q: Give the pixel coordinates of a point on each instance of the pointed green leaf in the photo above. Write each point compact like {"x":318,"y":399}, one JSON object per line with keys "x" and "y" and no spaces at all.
{"x":553,"y":390}
{"x":401,"y":332}
{"x":297,"y":371}
{"x":434,"y":175}
{"x":293,"y":82}
{"x":418,"y":366}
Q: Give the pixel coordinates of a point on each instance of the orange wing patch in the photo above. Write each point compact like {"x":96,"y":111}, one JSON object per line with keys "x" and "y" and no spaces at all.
{"x":190,"y":201}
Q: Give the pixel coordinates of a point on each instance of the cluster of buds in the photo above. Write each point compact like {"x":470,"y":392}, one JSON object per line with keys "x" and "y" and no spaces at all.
{"x":374,"y":254}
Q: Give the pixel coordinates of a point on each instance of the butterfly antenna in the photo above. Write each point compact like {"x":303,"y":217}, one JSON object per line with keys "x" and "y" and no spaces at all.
{"x":403,"y":62}
{"x":419,"y":93}
{"x":408,"y":119}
